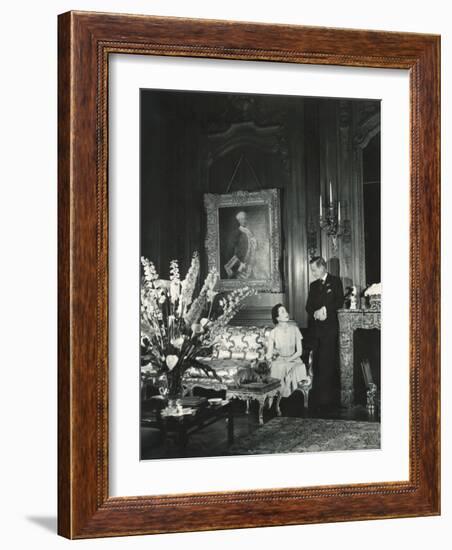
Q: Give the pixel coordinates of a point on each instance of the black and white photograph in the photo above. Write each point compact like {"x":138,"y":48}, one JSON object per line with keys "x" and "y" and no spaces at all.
{"x":260,"y":294}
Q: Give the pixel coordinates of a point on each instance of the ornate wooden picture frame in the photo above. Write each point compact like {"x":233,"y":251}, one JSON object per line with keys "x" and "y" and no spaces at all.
{"x":85,"y":507}
{"x":262,"y":267}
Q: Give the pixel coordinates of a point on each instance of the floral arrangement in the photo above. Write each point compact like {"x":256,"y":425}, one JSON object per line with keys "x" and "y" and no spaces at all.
{"x":373,"y":290}
{"x":373,"y":293}
{"x":176,"y":326}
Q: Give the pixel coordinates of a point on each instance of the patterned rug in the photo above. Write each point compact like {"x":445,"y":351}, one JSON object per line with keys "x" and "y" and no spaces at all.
{"x":302,"y":435}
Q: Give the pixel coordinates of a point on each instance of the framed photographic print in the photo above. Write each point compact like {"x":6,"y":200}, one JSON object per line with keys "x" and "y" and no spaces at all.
{"x":248,"y":220}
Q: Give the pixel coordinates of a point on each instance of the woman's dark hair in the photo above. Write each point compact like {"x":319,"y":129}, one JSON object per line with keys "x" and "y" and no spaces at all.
{"x":275,"y":313}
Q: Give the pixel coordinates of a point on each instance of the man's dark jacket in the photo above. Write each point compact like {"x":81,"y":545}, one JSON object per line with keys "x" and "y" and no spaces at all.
{"x":323,"y":340}
{"x":329,"y":294}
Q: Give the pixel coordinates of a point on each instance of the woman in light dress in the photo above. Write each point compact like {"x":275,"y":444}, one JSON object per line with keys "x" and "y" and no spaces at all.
{"x":284,"y":351}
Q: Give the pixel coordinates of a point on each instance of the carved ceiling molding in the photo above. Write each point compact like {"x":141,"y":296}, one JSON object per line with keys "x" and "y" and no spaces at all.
{"x":247,"y":108}
{"x":366,"y":109}
{"x":271,"y":139}
{"x":367,"y":130}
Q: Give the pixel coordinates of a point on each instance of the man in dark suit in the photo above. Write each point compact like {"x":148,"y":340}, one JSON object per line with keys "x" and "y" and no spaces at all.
{"x":325,"y":297}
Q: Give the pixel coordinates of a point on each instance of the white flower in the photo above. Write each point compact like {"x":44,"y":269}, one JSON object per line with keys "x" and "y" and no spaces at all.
{"x":162,"y":283}
{"x":197,"y":328}
{"x":174,"y":270}
{"x":175,"y":290}
{"x":373,"y":290}
{"x":189,"y":283}
{"x":171,"y":361}
{"x":178,"y":342}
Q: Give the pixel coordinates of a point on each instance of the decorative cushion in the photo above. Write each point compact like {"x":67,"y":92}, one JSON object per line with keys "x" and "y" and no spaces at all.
{"x":247,"y":343}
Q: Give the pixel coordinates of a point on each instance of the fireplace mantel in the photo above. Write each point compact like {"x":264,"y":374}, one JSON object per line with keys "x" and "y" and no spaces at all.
{"x":349,"y":321}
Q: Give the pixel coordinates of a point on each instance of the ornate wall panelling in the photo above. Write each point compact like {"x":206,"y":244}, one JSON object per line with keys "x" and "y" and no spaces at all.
{"x":345,"y":169}
{"x":312,"y":174}
{"x":346,"y":127}
{"x":296,"y":212}
{"x":328,"y":125}
{"x":231,"y":142}
{"x":366,"y":126}
{"x":247,"y":148}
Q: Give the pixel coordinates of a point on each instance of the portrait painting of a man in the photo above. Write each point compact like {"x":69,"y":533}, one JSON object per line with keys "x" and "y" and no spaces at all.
{"x":243,"y":240}
{"x":244,"y":243}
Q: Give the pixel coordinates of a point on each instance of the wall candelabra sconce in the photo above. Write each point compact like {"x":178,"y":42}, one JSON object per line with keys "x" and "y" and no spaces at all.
{"x":331,"y":220}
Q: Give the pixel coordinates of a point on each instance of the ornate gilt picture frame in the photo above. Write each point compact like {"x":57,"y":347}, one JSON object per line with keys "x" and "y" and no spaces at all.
{"x":86,"y":507}
{"x":227,"y":215}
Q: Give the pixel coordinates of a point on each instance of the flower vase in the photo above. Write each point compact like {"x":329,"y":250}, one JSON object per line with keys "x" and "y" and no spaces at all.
{"x":174,"y":381}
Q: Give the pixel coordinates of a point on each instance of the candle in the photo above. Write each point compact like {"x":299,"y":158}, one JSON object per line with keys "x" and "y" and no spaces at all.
{"x":321,"y":209}
{"x":339,"y":212}
{"x":331,"y":194}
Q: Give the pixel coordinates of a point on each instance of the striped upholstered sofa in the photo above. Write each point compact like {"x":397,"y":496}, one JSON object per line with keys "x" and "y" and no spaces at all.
{"x":236,"y":351}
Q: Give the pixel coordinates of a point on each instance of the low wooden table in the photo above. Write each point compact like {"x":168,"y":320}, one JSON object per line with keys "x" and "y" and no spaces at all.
{"x":188,"y":424}
{"x":262,"y":392}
